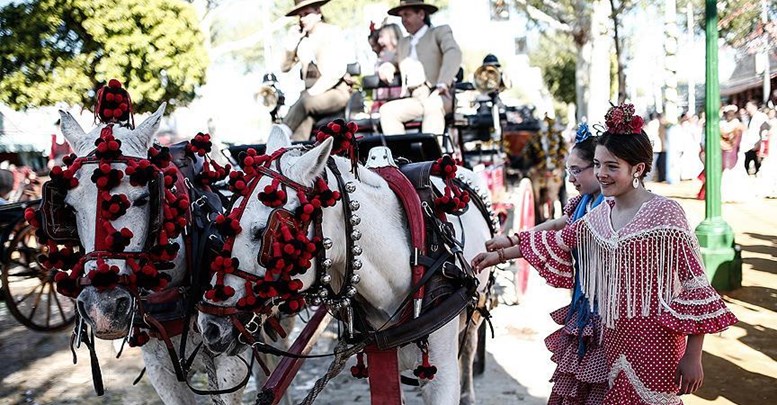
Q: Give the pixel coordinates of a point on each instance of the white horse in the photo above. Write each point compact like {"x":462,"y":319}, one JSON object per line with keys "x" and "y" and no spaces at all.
{"x":110,"y":312}
{"x":385,"y":272}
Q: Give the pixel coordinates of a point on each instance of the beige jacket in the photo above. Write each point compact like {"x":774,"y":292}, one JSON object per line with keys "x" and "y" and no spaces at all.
{"x":437,"y":51}
{"x":322,"y":55}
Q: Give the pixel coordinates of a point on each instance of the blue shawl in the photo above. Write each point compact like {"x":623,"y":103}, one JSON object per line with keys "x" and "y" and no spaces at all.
{"x":579,"y":303}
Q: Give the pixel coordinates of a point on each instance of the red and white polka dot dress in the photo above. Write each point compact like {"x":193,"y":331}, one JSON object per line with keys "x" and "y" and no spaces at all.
{"x":580,"y":377}
{"x":651,"y":290}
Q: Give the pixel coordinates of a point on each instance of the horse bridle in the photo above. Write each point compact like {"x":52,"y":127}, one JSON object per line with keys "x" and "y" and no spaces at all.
{"x":247,"y":330}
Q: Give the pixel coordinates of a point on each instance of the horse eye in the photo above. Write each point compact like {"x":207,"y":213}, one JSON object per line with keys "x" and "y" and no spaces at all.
{"x":256,"y":235}
{"x":140,"y":202}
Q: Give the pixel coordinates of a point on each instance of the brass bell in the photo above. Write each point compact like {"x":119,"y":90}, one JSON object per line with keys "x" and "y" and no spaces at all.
{"x":355,"y":205}
{"x":350,"y":187}
{"x":356,"y":250}
{"x":355,"y":220}
{"x":327,"y":243}
{"x":356,"y":235}
{"x":357,"y":264}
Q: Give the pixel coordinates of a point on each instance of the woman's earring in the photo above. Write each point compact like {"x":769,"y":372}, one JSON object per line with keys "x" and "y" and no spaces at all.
{"x":635,"y":182}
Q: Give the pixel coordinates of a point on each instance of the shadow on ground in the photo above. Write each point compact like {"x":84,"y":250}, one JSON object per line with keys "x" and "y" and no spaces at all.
{"x":724,"y":379}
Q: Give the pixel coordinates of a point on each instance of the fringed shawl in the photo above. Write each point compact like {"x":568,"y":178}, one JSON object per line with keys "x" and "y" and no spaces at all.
{"x":630,"y":270}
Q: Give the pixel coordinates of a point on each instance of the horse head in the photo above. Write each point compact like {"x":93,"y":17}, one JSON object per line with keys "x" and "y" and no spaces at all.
{"x":248,"y":283}
{"x":113,"y":198}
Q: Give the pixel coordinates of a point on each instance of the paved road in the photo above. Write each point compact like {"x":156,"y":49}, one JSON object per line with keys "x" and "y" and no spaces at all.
{"x":740,"y":364}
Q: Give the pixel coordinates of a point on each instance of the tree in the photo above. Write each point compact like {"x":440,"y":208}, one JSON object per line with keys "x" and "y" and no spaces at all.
{"x":63,"y":50}
{"x":556,"y":58}
{"x":581,"y":21}
{"x":617,"y":9}
{"x":738,"y":18}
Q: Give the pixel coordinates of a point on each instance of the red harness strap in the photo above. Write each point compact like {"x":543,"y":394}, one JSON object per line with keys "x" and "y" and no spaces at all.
{"x":383,"y":375}
{"x":408,"y":196}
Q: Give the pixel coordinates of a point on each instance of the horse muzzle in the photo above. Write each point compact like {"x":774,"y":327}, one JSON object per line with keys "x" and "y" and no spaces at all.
{"x":218,"y":333}
{"x":108,"y":312}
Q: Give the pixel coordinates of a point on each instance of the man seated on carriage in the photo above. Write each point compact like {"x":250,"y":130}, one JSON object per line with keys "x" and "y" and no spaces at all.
{"x":428,"y":60}
{"x":318,"y":47}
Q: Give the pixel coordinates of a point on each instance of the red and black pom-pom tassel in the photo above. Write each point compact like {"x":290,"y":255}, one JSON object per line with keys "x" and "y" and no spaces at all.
{"x":360,"y":369}
{"x":425,"y":371}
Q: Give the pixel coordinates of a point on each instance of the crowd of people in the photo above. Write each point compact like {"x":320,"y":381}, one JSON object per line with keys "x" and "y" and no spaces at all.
{"x":745,"y":135}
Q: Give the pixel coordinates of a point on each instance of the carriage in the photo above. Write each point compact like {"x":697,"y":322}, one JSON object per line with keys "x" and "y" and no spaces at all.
{"x":501,"y":143}
{"x":27,"y":288}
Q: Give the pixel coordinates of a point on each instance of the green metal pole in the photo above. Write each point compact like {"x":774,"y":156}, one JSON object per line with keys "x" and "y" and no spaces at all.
{"x":716,"y":238}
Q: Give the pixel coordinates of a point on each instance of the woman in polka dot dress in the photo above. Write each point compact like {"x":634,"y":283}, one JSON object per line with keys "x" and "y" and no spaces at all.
{"x":645,"y":275}
{"x":581,"y":371}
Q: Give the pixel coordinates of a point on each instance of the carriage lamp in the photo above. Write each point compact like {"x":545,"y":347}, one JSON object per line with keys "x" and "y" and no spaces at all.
{"x":488,"y":79}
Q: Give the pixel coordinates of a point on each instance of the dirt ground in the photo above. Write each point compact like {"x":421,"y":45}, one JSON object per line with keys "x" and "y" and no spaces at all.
{"x":740,"y":364}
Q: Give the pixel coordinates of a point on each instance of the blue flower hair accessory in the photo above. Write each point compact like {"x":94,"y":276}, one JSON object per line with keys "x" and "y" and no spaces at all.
{"x":582,"y":133}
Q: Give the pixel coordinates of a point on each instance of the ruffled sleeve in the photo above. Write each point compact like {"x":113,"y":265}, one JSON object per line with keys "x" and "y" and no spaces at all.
{"x":569,"y":209}
{"x":697,"y":308}
{"x":549,"y":253}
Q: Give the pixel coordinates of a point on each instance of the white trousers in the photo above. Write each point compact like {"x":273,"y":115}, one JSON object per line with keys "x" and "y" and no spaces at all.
{"x":423,"y":104}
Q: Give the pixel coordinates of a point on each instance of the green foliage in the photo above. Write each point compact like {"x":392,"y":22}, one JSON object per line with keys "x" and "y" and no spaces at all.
{"x":737,"y":19}
{"x":62,"y":50}
{"x":556,"y":56}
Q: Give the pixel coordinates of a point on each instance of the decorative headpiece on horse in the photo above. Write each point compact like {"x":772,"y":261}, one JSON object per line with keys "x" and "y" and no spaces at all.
{"x":169,"y":208}
{"x":621,"y":119}
{"x":287,"y":251}
{"x":114,"y":104}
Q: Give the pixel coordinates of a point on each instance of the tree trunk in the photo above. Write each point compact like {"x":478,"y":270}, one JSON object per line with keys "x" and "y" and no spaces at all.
{"x":615,"y":14}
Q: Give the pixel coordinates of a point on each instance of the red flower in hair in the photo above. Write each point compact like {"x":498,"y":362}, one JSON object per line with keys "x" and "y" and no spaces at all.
{"x":636,"y":124}
{"x":622,"y":120}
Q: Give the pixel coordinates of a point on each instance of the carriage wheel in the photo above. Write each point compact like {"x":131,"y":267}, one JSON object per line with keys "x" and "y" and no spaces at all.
{"x":29,"y":289}
{"x":524,"y":220}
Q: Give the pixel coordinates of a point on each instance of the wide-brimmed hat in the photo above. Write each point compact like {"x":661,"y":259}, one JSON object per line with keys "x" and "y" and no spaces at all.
{"x":430,"y":9}
{"x":300,"y":4}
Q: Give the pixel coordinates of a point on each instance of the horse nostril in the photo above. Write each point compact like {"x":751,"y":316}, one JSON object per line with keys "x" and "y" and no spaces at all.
{"x":212,"y":332}
{"x":122,"y":305}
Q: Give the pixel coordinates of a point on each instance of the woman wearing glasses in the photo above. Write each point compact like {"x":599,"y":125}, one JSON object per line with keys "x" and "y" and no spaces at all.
{"x":581,"y":372}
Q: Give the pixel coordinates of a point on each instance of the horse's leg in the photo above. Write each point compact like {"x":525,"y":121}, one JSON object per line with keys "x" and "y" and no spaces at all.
{"x":467,"y":353}
{"x":443,"y":349}
{"x":162,"y":375}
{"x":230,"y":372}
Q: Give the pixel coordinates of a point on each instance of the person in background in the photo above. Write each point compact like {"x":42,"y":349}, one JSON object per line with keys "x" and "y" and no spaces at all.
{"x":646,"y":275}
{"x":6,"y":185}
{"x":319,"y":48}
{"x":428,"y":60}
{"x":656,"y":131}
{"x":386,"y":39}
{"x":757,"y":128}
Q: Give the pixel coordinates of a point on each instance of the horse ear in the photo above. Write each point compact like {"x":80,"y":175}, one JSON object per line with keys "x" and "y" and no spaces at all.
{"x":143,"y":134}
{"x":278,"y":138}
{"x":312,"y":163}
{"x":74,"y":134}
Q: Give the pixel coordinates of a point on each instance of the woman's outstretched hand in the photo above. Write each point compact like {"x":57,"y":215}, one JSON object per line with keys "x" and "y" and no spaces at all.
{"x":499,"y":242}
{"x":484,"y":260}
